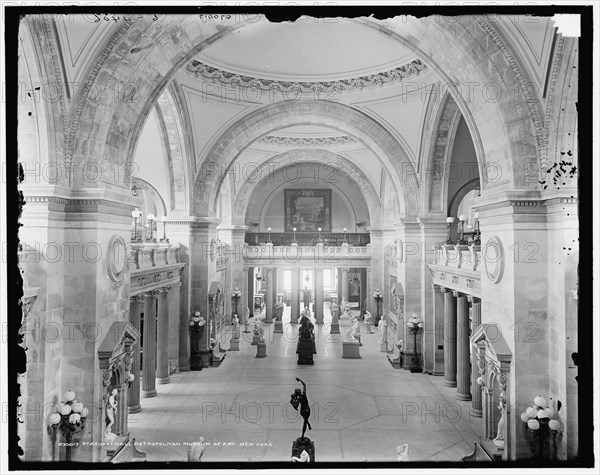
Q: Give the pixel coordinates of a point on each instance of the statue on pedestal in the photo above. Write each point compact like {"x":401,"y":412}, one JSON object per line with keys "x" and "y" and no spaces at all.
{"x":368,"y":322}
{"x":350,"y":336}
{"x":299,"y":398}
{"x":306,"y":343}
{"x":278,"y":309}
{"x":236,"y":327}
{"x":356,"y":329}
{"x":111,"y":407}
{"x":382,"y":342}
{"x":499,"y":439}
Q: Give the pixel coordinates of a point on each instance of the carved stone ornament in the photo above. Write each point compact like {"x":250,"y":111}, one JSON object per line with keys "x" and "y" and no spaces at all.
{"x":493,"y":259}
{"x":116,"y":262}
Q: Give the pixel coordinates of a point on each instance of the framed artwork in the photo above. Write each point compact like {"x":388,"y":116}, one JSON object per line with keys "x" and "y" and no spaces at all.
{"x":258,"y":301}
{"x":355,"y":288}
{"x":308,"y":210}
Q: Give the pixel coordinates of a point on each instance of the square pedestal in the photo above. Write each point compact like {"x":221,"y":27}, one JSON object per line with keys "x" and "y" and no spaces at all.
{"x":335,"y":328}
{"x":255,"y":339}
{"x":278,"y":327}
{"x":234,"y":344}
{"x":350,"y":350}
{"x":301,"y":444}
{"x":261,"y":350}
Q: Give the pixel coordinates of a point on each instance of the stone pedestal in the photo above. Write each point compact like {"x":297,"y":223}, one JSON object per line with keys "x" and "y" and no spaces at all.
{"x":301,"y":444}
{"x":261,"y":350}
{"x":206,"y":357}
{"x":255,"y":339}
{"x":234,"y":344}
{"x":278,"y":327}
{"x":382,"y":347}
{"x":335,"y":328}
{"x":350,"y":350}
{"x":246,"y":327}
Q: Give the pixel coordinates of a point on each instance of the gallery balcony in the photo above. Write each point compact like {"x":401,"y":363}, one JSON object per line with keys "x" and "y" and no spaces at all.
{"x":308,"y":239}
{"x":319,"y":255}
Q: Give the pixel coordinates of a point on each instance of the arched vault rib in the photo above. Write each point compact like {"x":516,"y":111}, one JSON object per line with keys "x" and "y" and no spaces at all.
{"x":346,"y":169}
{"x":232,"y":142}
{"x":505,"y":132}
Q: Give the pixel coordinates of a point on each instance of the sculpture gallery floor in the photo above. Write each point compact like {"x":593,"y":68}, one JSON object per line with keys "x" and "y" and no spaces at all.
{"x":362,"y":409}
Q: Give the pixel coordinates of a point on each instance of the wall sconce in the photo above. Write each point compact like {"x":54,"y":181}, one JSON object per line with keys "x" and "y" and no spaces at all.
{"x":449,"y":222}
{"x":151,"y":219}
{"x":294,"y":241}
{"x":345,"y":241}
{"x":164,"y":238}
{"x":319,"y":230}
{"x":461,"y":229}
{"x":69,"y":417}
{"x":269,"y":231}
{"x":135,"y":214}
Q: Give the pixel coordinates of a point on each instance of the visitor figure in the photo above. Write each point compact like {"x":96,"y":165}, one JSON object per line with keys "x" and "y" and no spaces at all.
{"x":111,"y":407}
{"x":196,"y":451}
{"x":299,"y":398}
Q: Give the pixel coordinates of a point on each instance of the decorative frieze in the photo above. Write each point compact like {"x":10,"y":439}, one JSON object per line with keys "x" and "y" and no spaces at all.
{"x":307,"y":141}
{"x":204,"y":71}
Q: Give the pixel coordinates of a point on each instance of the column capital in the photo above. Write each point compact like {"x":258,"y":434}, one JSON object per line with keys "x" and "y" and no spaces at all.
{"x":473,"y":300}
{"x":458,"y":294}
{"x":165,"y":289}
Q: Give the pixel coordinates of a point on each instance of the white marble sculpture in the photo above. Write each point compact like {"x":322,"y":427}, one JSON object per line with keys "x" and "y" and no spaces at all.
{"x":196,"y":451}
{"x":350,"y":338}
{"x":236,"y":327}
{"x":111,"y":407}
{"x":499,"y":439}
{"x":402,"y":453}
{"x":304,"y":457}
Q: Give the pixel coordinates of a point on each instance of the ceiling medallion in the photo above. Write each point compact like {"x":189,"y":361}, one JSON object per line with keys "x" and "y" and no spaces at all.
{"x":204,"y":71}
{"x":307,"y":141}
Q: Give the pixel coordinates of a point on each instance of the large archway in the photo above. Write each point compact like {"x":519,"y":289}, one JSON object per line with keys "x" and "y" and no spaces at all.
{"x":508,"y":133}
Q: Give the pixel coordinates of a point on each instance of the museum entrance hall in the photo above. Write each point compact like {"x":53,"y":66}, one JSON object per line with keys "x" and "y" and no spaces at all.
{"x":299,"y":242}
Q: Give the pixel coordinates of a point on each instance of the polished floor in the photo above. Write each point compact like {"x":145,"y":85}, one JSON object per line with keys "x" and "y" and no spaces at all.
{"x":362,"y":409}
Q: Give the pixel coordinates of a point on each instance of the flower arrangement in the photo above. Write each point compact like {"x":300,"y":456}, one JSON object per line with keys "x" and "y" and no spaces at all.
{"x":540,"y":421}
{"x":539,"y":416}
{"x":197,"y":320}
{"x":69,"y":415}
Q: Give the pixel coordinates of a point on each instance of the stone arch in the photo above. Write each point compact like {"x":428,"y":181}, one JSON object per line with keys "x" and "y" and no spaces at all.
{"x":454,"y":201}
{"x":317,"y":156}
{"x":42,"y":109}
{"x":172,"y":114}
{"x":438,"y":154}
{"x":232,"y":142}
{"x":459,"y":49}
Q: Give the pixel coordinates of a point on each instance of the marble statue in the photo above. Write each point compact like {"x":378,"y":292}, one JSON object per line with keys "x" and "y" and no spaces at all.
{"x":299,"y":398}
{"x":350,"y":336}
{"x":334,"y":312}
{"x":382,"y":342}
{"x":402,"y":453}
{"x":356,"y":329}
{"x":196,"y":451}
{"x":499,"y":439}
{"x":111,"y":407}
{"x":304,"y":457}
{"x":247,"y":315}
{"x":368,"y":322}
{"x":278,"y":310}
{"x":236,"y":326}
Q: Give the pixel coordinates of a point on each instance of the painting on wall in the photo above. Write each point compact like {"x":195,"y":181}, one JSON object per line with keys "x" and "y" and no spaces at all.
{"x":308,"y":210}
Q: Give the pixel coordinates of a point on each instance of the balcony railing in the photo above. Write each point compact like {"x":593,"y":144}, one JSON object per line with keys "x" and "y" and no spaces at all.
{"x":308,"y":239}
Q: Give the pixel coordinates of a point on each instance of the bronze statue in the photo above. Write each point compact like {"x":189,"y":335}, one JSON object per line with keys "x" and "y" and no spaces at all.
{"x":299,"y":398}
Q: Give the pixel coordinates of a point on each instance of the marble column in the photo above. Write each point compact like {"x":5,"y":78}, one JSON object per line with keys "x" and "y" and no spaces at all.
{"x":174,"y":331}
{"x":438,"y":318}
{"x":344,"y":284}
{"x":476,"y":408}
{"x":243,"y":303}
{"x":162,"y":344}
{"x":319,"y":295}
{"x":269,"y":295}
{"x":368,"y":297}
{"x":463,"y":360}
{"x":295,"y":303}
{"x":134,"y":389}
{"x":149,"y":364}
{"x":449,"y":339}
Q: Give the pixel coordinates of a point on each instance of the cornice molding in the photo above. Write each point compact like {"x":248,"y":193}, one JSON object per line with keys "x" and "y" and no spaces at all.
{"x":204,"y":71}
